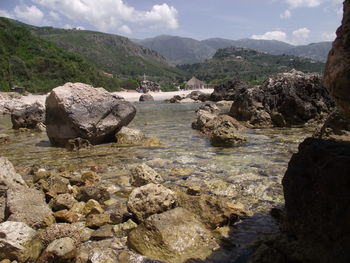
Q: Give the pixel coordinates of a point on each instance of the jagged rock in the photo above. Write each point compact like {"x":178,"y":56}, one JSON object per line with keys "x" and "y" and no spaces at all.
{"x":62,"y":250}
{"x":147,"y":86}
{"x":67,"y":216}
{"x":286,"y":99}
{"x":8,"y":175}
{"x":142,"y":174}
{"x":337,"y":71}
{"x":336,"y":127}
{"x":54,"y":185}
{"x":28,"y":117}
{"x":150,"y":199}
{"x":226,"y":134}
{"x":195,"y":95}
{"x":97,"y":220}
{"x":205,"y":113}
{"x":79,"y":110}
{"x":76,"y":231}
{"x":316,"y":190}
{"x":92,"y":207}
{"x":146,"y":97}
{"x":130,"y":136}
{"x":27,"y":205}
{"x":19,"y":242}
{"x":173,"y":236}
{"x":227,"y":90}
{"x":62,"y":201}
{"x":97,"y":193}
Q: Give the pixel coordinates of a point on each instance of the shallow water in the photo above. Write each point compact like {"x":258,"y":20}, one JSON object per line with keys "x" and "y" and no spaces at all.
{"x":250,"y":174}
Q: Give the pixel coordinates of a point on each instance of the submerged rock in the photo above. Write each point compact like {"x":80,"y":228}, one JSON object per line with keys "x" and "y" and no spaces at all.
{"x":29,"y":116}
{"x":173,"y":236}
{"x":142,"y":174}
{"x":4,"y":139}
{"x":226,"y":134}
{"x":130,"y":136}
{"x":79,"y":110}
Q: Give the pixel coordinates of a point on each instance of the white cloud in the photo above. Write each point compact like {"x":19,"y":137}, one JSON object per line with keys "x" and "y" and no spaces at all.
{"x":110,"y":15}
{"x":54,"y":15}
{"x":31,"y":14}
{"x":303,"y":3}
{"x":4,"y":13}
{"x":272,"y":35}
{"x":327,"y":36}
{"x":301,"y":35}
{"x":286,"y":14}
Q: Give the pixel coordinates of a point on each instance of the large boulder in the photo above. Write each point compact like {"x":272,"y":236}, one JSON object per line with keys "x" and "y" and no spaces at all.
{"x":80,"y":110}
{"x":173,"y":236}
{"x":226,"y":134}
{"x":19,"y":242}
{"x":286,"y":99}
{"x":337,"y":72}
{"x":29,"y":116}
{"x":146,"y":97}
{"x":204,"y":114}
{"x":227,"y":90}
{"x":316,"y":189}
{"x":150,"y":199}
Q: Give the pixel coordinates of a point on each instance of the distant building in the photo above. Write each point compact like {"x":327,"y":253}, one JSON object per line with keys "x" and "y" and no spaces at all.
{"x":195,"y":83}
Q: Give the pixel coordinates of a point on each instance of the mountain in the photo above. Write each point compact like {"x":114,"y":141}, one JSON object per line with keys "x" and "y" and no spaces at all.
{"x":39,"y":65}
{"x":247,"y":64}
{"x":179,"y":50}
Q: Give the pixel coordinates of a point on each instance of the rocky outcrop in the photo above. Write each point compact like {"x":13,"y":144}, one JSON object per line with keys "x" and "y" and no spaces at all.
{"x":227,"y":90}
{"x":316,"y":194}
{"x":173,"y":236}
{"x":79,"y":110}
{"x":29,"y":116}
{"x":226,"y":134}
{"x":146,"y":97}
{"x":337,"y":72}
{"x":286,"y":99}
{"x":205,"y":113}
{"x":150,"y":199}
{"x":147,"y":86}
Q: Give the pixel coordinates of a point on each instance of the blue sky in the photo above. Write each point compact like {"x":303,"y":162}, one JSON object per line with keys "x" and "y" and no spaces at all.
{"x":293,"y":21}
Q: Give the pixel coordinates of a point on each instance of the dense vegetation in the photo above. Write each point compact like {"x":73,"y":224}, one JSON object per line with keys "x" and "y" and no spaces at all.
{"x":39,"y":65}
{"x":248,"y":65}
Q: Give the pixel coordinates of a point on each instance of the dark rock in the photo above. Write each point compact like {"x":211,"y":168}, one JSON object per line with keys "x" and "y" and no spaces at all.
{"x":62,"y":201}
{"x":4,"y":139}
{"x":226,"y":134}
{"x":227,"y":90}
{"x":146,"y":97}
{"x":77,"y":144}
{"x":97,"y":193}
{"x":195,"y":95}
{"x":205,"y":113}
{"x":147,"y":86}
{"x":28,"y":117}
{"x":316,"y":189}
{"x":79,"y":110}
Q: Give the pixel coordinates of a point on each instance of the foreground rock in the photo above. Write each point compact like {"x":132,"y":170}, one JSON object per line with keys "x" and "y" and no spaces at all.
{"x":19,"y":242}
{"x":79,"y":110}
{"x":286,"y":99}
{"x":142,"y":174}
{"x":8,"y":176}
{"x":30,"y":116}
{"x":227,"y":90}
{"x":337,"y":71}
{"x":128,"y":136}
{"x":173,"y":236}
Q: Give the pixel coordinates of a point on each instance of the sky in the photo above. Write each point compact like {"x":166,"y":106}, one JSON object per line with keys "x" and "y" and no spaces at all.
{"x":294,"y":21}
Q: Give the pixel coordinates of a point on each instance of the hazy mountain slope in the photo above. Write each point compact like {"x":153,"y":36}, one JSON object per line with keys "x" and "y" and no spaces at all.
{"x":247,"y":64}
{"x":315,"y":51}
{"x":39,"y":65}
{"x":179,"y":50}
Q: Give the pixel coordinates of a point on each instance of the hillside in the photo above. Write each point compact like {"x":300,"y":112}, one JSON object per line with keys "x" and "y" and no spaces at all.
{"x":315,"y":51}
{"x":179,"y":50}
{"x":111,"y":53}
{"x":248,"y":65}
{"x":39,"y":65}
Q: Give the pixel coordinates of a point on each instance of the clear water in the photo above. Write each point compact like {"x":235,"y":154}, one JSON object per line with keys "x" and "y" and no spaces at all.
{"x":250,"y":174}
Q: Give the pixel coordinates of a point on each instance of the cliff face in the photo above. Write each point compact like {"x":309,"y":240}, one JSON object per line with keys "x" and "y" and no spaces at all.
{"x":337,"y":72}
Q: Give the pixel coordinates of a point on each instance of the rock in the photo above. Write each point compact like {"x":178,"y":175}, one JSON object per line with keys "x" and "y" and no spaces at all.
{"x":103,"y":232}
{"x":59,"y":251}
{"x":150,"y":199}
{"x":54,"y":185}
{"x":62,"y":201}
{"x":28,"y":117}
{"x":40,"y":127}
{"x":146,"y":97}
{"x":8,"y":175}
{"x":336,"y":127}
{"x":173,"y":236}
{"x":213,"y":211}
{"x":67,"y":216}
{"x":151,"y":142}
{"x":90,"y":177}
{"x":316,"y":190}
{"x":227,"y":90}
{"x":27,"y":205}
{"x":205,"y":113}
{"x":97,"y":220}
{"x":98,"y":254}
{"x":142,"y":174}
{"x":195,"y":95}
{"x":77,"y":144}
{"x":76,"y":231}
{"x":118,"y":212}
{"x":79,"y":110}
{"x":227,"y":135}
{"x":4,"y":139}
{"x":147,"y":86}
{"x":19,"y":242}
{"x":92,"y":207}
{"x":123,"y":229}
{"x":291,"y":98}
{"x":212,"y":125}
{"x":187,"y":100}
{"x":97,"y":193}
{"x":337,"y":72}
{"x":130,"y":136}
